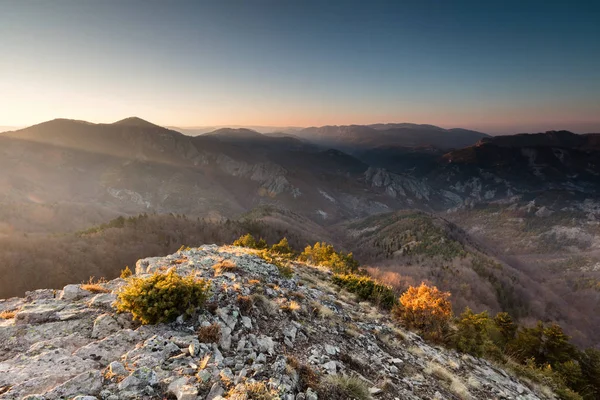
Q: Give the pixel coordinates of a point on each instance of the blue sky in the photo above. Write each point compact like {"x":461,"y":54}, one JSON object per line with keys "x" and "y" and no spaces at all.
{"x":495,"y":66}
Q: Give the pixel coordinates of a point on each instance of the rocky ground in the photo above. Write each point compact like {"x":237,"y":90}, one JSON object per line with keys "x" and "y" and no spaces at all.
{"x":293,"y":333}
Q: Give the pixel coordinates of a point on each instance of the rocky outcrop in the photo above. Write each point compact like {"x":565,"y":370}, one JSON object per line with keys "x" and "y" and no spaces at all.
{"x":73,"y":344}
{"x":397,"y":185}
{"x":270,"y":176}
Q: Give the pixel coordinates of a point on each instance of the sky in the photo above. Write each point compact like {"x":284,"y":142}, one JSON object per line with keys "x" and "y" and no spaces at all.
{"x":495,"y":66}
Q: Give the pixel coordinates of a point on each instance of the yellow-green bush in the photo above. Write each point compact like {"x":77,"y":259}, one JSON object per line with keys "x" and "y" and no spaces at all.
{"x":282,"y":263}
{"x":162,"y":297}
{"x":325,"y":255}
{"x":126,"y":273}
{"x":366,"y":288}
{"x":471,"y":334}
{"x":282,"y":248}
{"x":249,"y":241}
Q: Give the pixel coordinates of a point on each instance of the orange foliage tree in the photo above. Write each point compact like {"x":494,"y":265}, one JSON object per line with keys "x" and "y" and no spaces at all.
{"x":426,"y":309}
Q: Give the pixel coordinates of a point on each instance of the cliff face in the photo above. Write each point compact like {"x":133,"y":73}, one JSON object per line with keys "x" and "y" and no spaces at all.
{"x":63,"y":344}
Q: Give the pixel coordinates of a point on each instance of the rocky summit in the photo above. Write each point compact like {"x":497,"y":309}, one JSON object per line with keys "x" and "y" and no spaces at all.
{"x":261,"y":335}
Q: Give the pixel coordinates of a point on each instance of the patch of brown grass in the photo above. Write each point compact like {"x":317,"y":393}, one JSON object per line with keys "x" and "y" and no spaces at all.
{"x":95,"y":287}
{"x":224,"y":266}
{"x":210,"y":334}
{"x":245,"y":303}
{"x":307,"y":377}
{"x":297,"y":295}
{"x":9,"y":314}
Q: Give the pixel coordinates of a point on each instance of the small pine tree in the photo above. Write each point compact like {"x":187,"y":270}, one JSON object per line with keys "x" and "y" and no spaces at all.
{"x":246,"y":240}
{"x":506,"y":325}
{"x":282,"y":247}
{"x":471,"y":334}
{"x":556,"y":348}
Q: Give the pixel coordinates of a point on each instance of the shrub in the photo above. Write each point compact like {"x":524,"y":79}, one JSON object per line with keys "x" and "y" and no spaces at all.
{"x":249,"y":241}
{"x":324,"y":254}
{"x":162,"y":297}
{"x":590,"y":367}
{"x":426,"y":309}
{"x":126,"y":273}
{"x":282,"y":248}
{"x":210,"y":333}
{"x":471,"y":335}
{"x":339,"y":387}
{"x":246,"y":240}
{"x":366,"y":288}
{"x":506,"y":326}
{"x":245,"y":303}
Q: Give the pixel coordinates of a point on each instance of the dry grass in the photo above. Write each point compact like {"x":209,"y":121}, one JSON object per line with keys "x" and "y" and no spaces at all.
{"x":307,"y":378}
{"x":252,"y":390}
{"x":253,"y":282}
{"x":290,"y":306}
{"x":210,"y":334}
{"x":416,"y":351}
{"x":339,"y":387}
{"x":455,"y":383}
{"x":245,"y":303}
{"x":264,"y":304}
{"x":297,"y":295}
{"x":95,"y":287}
{"x":351,"y":332}
{"x":9,"y":314}
{"x":224,"y":266}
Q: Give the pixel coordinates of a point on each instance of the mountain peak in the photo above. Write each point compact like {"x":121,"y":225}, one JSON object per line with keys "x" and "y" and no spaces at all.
{"x":135,"y":121}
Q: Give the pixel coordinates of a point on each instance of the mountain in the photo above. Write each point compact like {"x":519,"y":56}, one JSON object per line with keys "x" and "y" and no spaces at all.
{"x":353,"y":138}
{"x":98,"y":171}
{"x":132,"y":166}
{"x":260,"y":335}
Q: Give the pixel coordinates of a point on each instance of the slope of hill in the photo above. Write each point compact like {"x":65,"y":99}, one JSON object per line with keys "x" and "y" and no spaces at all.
{"x":554,"y":244}
{"x":407,"y":247}
{"x":325,"y":346}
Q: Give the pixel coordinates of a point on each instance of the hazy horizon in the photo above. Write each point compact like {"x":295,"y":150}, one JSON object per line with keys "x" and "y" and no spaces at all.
{"x":580,"y":128}
{"x":496,"y":68}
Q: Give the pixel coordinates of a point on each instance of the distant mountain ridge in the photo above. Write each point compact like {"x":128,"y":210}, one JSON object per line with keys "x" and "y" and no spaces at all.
{"x":354,"y":138}
{"x":133,"y":166}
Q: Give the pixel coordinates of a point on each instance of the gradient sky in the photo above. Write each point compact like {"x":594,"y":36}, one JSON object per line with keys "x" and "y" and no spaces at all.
{"x":495,"y":66}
